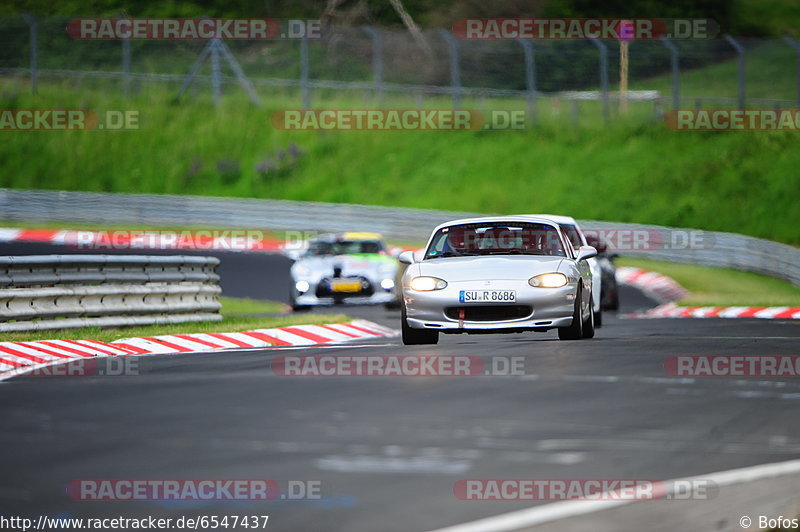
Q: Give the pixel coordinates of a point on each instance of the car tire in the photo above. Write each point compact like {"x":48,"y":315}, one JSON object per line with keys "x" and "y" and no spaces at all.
{"x":416,"y":336}
{"x":611,"y":299}
{"x":588,"y":325}
{"x":293,"y":303}
{"x":575,"y":330}
{"x":598,"y":318}
{"x":614,"y":303}
{"x":392,"y":305}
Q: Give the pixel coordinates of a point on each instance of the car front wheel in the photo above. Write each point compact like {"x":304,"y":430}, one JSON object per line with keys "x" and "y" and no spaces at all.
{"x":416,"y":336}
{"x":575,"y":330}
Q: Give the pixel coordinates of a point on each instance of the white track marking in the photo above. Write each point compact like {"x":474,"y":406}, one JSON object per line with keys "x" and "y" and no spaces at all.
{"x":561,"y":510}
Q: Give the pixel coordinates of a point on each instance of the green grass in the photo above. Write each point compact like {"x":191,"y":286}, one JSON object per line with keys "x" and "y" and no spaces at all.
{"x":236,"y":306}
{"x":716,"y":287}
{"x":636,"y":170}
{"x":239,"y":314}
{"x":769,"y":73}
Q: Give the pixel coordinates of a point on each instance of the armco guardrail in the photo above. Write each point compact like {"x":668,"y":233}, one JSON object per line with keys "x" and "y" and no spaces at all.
{"x":45,"y":292}
{"x":717,"y":249}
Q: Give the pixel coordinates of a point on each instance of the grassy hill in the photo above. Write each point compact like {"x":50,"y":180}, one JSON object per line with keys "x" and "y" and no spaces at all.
{"x":634,"y":171}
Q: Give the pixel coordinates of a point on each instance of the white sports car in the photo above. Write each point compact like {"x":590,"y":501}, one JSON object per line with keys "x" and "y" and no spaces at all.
{"x":352,"y":268}
{"x":576,"y":237}
{"x":497,"y":274}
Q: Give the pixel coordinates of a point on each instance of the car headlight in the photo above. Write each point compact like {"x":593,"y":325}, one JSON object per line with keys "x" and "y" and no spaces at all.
{"x":387,"y":284}
{"x":302,"y":286}
{"x":426,"y":284}
{"x":548,"y":280}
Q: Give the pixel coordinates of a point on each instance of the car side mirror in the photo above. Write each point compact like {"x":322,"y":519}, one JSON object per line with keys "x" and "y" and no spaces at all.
{"x":586,"y":252}
{"x":406,"y":257}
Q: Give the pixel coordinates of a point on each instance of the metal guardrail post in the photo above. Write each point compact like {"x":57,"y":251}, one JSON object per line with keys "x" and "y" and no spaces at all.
{"x":530,"y":75}
{"x":740,"y":69}
{"x":238,"y":72}
{"x":305,"y":88}
{"x":455,"y":67}
{"x":601,"y":46}
{"x":794,"y":44}
{"x":34,"y":52}
{"x":377,"y":61}
{"x":216,"y":76}
{"x":195,"y":68}
{"x":674,"y":62}
{"x":126,"y":65}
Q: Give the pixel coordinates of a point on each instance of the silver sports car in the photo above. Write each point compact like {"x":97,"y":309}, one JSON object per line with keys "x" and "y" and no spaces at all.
{"x":343,"y":268}
{"x":498,"y":274}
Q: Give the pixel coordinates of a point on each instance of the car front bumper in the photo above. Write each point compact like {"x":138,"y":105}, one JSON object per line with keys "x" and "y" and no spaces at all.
{"x":551,"y":307}
{"x":374,"y":299}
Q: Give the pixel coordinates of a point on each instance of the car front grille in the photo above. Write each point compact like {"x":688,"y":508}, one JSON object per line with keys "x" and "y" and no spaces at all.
{"x":489,"y":312}
{"x":324,"y":288}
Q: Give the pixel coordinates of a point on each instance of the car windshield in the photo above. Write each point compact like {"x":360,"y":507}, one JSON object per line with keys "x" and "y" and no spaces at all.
{"x":572,"y":235}
{"x":495,"y":238}
{"x":344,"y":247}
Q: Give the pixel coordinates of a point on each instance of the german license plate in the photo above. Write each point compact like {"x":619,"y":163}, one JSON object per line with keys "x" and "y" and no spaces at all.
{"x":346,"y":286}
{"x":499,"y":296}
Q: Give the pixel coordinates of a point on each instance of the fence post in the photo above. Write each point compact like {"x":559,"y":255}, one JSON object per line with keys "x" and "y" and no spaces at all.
{"x":126,"y":65}
{"x":675,"y":67}
{"x":740,"y":52}
{"x":305,"y":89}
{"x":455,"y":67}
{"x":794,"y":44}
{"x":195,"y":68}
{"x":530,"y":76}
{"x":216,"y":81}
{"x":377,"y":61}
{"x":34,"y":39}
{"x":601,"y":46}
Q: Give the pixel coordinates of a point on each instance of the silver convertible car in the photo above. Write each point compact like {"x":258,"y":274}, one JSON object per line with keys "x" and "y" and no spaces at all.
{"x":498,"y":274}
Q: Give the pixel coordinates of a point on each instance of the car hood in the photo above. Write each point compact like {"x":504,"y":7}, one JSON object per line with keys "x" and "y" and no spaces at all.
{"x":359,"y":264}
{"x":513,"y":267}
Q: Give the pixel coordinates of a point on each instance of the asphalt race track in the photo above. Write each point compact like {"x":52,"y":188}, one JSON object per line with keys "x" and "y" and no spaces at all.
{"x":387,"y":451}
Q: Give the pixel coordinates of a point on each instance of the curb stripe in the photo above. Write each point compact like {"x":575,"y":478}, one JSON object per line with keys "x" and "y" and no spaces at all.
{"x":266,"y":338}
{"x":346,"y":333}
{"x":53,"y":344}
{"x":92,"y":347}
{"x":228,"y":338}
{"x":165,"y":343}
{"x":20,"y":354}
{"x":36,"y":347}
{"x":19,"y":358}
{"x":198,"y":340}
{"x":132,"y":348}
{"x":308,"y":335}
